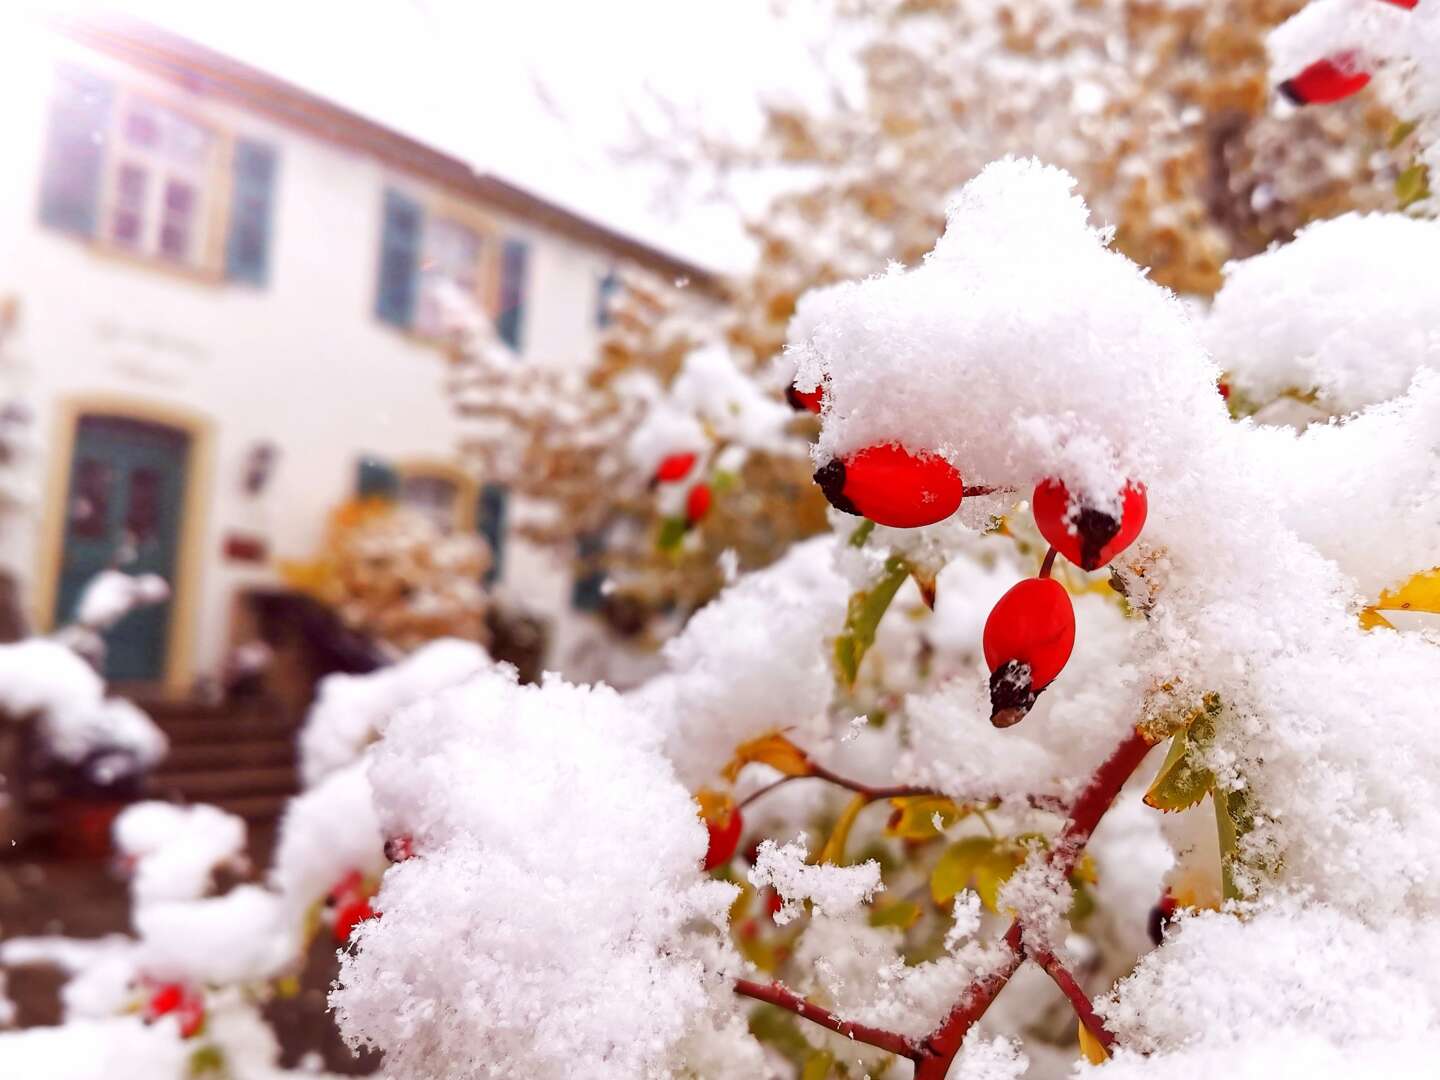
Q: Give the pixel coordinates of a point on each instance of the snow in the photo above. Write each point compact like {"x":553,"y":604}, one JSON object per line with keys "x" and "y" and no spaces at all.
{"x":43,"y":678}
{"x":833,"y":890}
{"x":533,"y":934}
{"x":175,"y":849}
{"x":120,"y":1048}
{"x":350,"y":711}
{"x":112,"y":594}
{"x":240,"y":937}
{"x":768,"y":626}
{"x":327,"y":832}
{"x":1345,"y":312}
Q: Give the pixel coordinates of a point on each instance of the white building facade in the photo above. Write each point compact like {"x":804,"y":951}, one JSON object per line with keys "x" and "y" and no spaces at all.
{"x":225,"y":326}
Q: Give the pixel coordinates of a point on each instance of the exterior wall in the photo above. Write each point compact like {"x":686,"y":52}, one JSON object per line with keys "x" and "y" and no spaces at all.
{"x":302,"y":363}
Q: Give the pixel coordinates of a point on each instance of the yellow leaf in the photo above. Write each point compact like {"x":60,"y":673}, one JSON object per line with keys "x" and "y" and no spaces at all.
{"x":914,"y":816}
{"x":1182,"y":780}
{"x":834,"y":849}
{"x":1370,"y":618}
{"x":1420,"y":593}
{"x":1091,"y":1047}
{"x":956,"y":867}
{"x":774,"y":750}
{"x":715,"y":806}
{"x":817,"y":1066}
{"x":901,"y":913}
{"x":993,"y":871}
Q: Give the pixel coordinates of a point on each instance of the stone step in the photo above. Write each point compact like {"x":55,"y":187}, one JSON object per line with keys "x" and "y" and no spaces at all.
{"x":211,"y":784}
{"x":249,"y":754}
{"x":191,"y":731}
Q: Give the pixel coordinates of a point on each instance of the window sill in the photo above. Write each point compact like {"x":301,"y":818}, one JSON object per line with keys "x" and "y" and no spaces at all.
{"x":199,"y":275}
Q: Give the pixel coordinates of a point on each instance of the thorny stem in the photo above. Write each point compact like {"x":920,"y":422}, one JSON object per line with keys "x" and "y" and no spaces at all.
{"x":1071,"y":989}
{"x":934,"y":1054}
{"x":1049,"y":563}
{"x":985,"y":489}
{"x":781,"y":996}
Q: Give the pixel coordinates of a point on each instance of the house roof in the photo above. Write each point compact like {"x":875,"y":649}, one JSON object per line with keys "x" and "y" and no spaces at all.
{"x":204,"y":71}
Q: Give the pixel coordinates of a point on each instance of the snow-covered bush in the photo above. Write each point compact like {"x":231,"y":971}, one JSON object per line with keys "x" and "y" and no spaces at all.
{"x":553,"y":915}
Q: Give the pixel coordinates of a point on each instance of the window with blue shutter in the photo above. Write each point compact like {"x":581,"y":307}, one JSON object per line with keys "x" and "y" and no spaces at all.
{"x":588,"y":592}
{"x":75,"y":152}
{"x":490,"y":512}
{"x":247,"y":247}
{"x":400,"y":238}
{"x":605,"y":292}
{"x":514,"y":265}
{"x":375,"y":479}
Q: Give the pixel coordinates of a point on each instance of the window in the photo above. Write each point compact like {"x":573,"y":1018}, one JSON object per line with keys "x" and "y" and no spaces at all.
{"x":146,"y":178}
{"x":425,"y":254}
{"x":159,"y":173}
{"x":606,"y":290}
{"x":451,"y":261}
{"x":436,"y":497}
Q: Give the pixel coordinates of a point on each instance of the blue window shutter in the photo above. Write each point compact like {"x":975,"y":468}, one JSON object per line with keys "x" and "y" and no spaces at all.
{"x":247,"y":247}
{"x":605,"y":293}
{"x":490,"y":512}
{"x":399,"y":259}
{"x":75,"y":152}
{"x":514,"y":266}
{"x":588,"y":592}
{"x":375,"y":479}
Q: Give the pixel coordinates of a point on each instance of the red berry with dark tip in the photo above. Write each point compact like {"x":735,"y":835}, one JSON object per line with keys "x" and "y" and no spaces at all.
{"x":400,"y":848}
{"x":697,"y":504}
{"x":1028,"y":639}
{"x":724,"y":829}
{"x":675,"y":467}
{"x":1087,"y":536}
{"x":892,"y":486}
{"x":805,"y":400}
{"x":1326,"y":81}
{"x":1161,"y":915}
{"x":187,"y":1006}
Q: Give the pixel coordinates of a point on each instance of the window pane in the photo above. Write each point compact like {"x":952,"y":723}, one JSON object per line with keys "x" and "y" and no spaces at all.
{"x":451,"y":261}
{"x":128,"y":217}
{"x":90,"y":500}
{"x":142,"y":517}
{"x":433,"y":496}
{"x":175,"y":227}
{"x":142,"y":127}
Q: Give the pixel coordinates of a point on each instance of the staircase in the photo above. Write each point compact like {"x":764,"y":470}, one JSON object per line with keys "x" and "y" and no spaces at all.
{"x":239,"y":756}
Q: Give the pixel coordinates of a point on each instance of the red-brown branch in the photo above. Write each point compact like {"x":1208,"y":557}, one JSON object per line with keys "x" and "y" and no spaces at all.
{"x":943,"y":1043}
{"x":781,"y":996}
{"x":876,"y":793}
{"x":1071,"y":989}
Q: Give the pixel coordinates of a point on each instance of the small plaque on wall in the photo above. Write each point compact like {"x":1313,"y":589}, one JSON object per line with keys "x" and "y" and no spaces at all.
{"x":240,"y":547}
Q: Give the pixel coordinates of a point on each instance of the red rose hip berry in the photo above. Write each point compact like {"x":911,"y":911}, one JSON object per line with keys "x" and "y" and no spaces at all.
{"x":891,"y":486}
{"x":805,"y":400}
{"x":1088,"y":537}
{"x":675,"y":467}
{"x":723,"y":824}
{"x":1028,"y":639}
{"x":1326,"y":81}
{"x":697,"y":504}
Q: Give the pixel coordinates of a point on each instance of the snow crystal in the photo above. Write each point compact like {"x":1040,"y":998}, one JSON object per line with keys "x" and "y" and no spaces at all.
{"x":834,"y":890}
{"x":552,"y":919}
{"x":350,"y":711}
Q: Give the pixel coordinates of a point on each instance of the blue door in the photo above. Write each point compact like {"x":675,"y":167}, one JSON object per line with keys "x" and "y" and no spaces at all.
{"x":122,"y":510}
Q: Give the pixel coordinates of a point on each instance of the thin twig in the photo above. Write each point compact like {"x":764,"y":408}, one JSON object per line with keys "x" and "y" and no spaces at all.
{"x":1071,"y":989}
{"x":781,"y":996}
{"x":1049,"y":562}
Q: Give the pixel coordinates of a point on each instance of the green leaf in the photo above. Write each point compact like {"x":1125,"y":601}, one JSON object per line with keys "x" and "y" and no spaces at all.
{"x":1412,"y":185}
{"x":672,"y":532}
{"x":902,"y":914}
{"x":863,"y":616}
{"x":1234,"y":818}
{"x":1183,"y":780}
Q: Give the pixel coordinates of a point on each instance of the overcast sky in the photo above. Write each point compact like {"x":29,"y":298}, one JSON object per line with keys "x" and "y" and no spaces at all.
{"x":461,"y":74}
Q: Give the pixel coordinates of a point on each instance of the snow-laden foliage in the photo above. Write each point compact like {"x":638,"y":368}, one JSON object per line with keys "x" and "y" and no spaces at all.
{"x":172,"y":851}
{"x":553,"y":920}
{"x":1343,"y":316}
{"x":350,"y":711}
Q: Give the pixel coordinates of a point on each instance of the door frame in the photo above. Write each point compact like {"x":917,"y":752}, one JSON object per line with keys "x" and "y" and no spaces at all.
{"x":189,"y":559}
